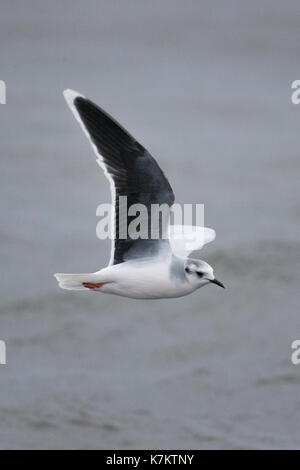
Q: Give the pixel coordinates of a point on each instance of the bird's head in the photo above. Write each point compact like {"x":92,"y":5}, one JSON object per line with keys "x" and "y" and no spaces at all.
{"x":200,"y":273}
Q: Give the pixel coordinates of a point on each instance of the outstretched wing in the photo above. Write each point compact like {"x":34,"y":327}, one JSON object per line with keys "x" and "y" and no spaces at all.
{"x":132,"y":172}
{"x":187,"y":238}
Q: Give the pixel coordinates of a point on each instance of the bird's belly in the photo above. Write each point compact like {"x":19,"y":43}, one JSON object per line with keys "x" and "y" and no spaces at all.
{"x":144,"y":280}
{"x":147,"y":289}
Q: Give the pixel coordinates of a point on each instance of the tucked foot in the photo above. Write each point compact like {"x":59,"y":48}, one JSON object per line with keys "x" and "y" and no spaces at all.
{"x":93,"y":286}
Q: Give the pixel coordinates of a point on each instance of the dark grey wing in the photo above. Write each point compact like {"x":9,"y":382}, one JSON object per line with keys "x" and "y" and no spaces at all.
{"x":133,"y":173}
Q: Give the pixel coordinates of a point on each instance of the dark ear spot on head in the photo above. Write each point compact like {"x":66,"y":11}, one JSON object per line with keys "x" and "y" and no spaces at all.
{"x":187,"y":270}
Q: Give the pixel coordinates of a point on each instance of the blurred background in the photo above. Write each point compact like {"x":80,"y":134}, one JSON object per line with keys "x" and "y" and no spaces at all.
{"x":205,"y":86}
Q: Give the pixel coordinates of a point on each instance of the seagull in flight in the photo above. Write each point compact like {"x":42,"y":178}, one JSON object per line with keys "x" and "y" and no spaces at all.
{"x":152,"y":268}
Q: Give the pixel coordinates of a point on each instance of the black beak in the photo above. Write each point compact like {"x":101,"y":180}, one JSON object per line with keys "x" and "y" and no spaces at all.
{"x":215,"y":281}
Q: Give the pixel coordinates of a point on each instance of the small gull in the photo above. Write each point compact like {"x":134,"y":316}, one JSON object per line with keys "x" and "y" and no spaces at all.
{"x":144,"y":268}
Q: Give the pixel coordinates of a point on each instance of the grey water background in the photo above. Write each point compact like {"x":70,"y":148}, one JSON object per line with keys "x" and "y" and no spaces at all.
{"x":206,"y":87}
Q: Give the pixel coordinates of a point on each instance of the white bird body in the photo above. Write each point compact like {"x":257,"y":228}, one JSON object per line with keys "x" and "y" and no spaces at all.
{"x":151,"y":268}
{"x":148,"y":278}
{"x":142,"y":279}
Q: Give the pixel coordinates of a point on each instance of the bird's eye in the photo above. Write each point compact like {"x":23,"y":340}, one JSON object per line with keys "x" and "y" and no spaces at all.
{"x":199,"y":274}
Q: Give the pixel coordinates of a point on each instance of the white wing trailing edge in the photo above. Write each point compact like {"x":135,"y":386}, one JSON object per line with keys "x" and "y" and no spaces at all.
{"x":187,"y":238}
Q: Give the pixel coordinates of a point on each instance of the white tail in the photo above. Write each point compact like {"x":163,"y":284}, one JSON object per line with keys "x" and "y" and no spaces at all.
{"x":74,"y":281}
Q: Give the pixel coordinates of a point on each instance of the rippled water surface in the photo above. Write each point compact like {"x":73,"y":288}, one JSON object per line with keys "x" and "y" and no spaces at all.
{"x":206,"y":88}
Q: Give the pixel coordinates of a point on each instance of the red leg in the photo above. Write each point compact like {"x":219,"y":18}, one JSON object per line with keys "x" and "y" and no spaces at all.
{"x":91,"y":285}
